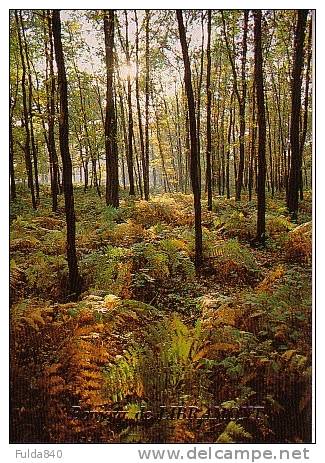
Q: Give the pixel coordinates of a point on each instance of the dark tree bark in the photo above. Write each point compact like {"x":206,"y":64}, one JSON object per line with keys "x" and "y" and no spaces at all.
{"x":228,"y":149}
{"x":125,"y":135}
{"x":295,"y":164}
{"x":222,"y":176}
{"x":306,"y":102}
{"x":195,"y":173}
{"x":270,"y":163}
{"x":50,"y":90}
{"x":283,"y":173}
{"x":188,"y":149}
{"x":252,"y":148}
{"x":74,"y":278}
{"x":13,"y":195}
{"x":216,"y":173}
{"x":147,"y":92}
{"x":12,"y":104}
{"x":30,"y":110}
{"x":198,"y":100}
{"x":130,"y":162}
{"x":112,"y":182}
{"x":258,"y":71}
{"x":209,"y":139}
{"x":137,"y":95}
{"x":27,"y":147}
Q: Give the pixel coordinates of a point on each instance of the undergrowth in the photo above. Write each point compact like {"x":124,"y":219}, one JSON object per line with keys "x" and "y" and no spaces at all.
{"x":150,"y":333}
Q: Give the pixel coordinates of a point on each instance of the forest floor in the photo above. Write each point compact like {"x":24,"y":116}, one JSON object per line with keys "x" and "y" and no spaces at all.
{"x":149,"y":334}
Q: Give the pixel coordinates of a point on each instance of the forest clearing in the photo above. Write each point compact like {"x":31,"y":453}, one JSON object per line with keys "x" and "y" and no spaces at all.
{"x":161,"y":226}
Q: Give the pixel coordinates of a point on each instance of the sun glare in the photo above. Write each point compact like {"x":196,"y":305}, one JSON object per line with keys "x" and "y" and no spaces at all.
{"x":128,"y":71}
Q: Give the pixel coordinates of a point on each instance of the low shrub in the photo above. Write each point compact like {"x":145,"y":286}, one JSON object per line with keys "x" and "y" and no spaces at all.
{"x":280,"y":309}
{"x":277,"y":225}
{"x":108,"y":271}
{"x":24,"y":245}
{"x":162,"y":209}
{"x":233,"y":262}
{"x":54,"y":242}
{"x":125,"y":234}
{"x":47,"y":276}
{"x":235,"y":224}
{"x":298,"y":246}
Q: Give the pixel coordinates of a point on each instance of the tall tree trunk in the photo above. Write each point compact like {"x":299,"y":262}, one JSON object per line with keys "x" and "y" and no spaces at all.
{"x":222,"y":151}
{"x":125,"y":135}
{"x":209,"y":96}
{"x":147,"y":92}
{"x":252,"y":147}
{"x":30,"y":111}
{"x":74,"y":278}
{"x":12,"y":104}
{"x":242,"y":107}
{"x":233,"y":130}
{"x":13,"y":195}
{"x":50,"y":91}
{"x":26,"y":148}
{"x":228,"y":148}
{"x":130,"y":116}
{"x":195,"y":173}
{"x":258,"y":57}
{"x":295,"y":164}
{"x":271,"y":162}
{"x":112,"y":181}
{"x":306,"y":100}
{"x":198,"y":102}
{"x":137,"y":95}
{"x":188,"y":148}
{"x":179,"y":146}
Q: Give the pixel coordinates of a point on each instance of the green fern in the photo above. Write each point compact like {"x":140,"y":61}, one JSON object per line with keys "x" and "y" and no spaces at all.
{"x":162,"y":367}
{"x":233,"y":433}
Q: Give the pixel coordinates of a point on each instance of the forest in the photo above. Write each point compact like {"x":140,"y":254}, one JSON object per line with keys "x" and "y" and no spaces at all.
{"x":161,"y":226}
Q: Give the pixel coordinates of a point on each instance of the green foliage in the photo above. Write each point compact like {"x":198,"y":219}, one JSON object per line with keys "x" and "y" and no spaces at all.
{"x":234,"y":340}
{"x":244,"y":342}
{"x":106,"y":270}
{"x":285,"y":313}
{"x":235,"y":224}
{"x":234,"y":433}
{"x":47,"y":276}
{"x":232,"y":261}
{"x":298,"y":245}
{"x":54,"y":242}
{"x":156,"y":262}
{"x":111,"y":214}
{"x":277,"y":225}
{"x":161,"y":368}
{"x":241,"y":223}
{"x":162,"y":209}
